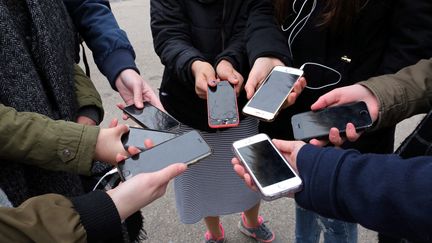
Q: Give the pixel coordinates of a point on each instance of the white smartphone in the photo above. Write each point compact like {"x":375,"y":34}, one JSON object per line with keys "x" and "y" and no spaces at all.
{"x":270,"y":171}
{"x":269,"y":98}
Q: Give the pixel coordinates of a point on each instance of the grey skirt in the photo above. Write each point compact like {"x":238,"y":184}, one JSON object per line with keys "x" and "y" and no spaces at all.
{"x":211,"y":187}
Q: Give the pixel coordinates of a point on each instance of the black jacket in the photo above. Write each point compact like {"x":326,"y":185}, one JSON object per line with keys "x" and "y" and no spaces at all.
{"x":188,"y":30}
{"x":386,"y":36}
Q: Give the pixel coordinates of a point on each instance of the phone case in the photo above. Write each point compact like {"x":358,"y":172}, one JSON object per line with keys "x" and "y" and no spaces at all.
{"x":223,"y":123}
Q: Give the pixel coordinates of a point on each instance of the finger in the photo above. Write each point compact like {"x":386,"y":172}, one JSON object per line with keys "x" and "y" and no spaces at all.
{"x":318,"y":142}
{"x":113,"y":123}
{"x":335,"y":138}
{"x":235,"y":161}
{"x":132,"y":150}
{"x":148,"y":143}
{"x":138,"y":94}
{"x":121,"y":106}
{"x":171,"y":171}
{"x":120,"y":157}
{"x":121,"y":129}
{"x":351,"y":133}
{"x":212,"y":82}
{"x":249,"y":182}
{"x":240,"y":170}
{"x":284,"y":146}
{"x":292,"y":97}
{"x":328,"y":99}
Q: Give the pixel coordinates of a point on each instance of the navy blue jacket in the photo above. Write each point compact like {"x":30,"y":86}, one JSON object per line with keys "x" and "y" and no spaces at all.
{"x":384,"y":193}
{"x":111,"y":48}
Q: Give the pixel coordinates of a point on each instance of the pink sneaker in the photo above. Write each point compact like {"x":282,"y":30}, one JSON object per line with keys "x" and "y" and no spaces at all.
{"x":261,"y":233}
{"x":210,"y":239}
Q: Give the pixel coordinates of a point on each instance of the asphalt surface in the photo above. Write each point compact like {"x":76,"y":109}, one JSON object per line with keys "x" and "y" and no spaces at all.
{"x":162,"y":222}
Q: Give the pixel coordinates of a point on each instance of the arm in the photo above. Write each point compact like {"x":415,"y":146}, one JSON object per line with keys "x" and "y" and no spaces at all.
{"x":404,"y":94}
{"x":89,"y":100}
{"x":381,"y":192}
{"x":96,"y":216}
{"x":171,"y":38}
{"x":111,"y":48}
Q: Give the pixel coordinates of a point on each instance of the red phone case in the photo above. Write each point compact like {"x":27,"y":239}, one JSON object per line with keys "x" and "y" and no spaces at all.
{"x":226,"y":125}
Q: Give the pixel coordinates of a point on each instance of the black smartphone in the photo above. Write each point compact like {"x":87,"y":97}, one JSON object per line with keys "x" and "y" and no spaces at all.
{"x":270,"y":96}
{"x":136,"y":136}
{"x":222,"y":106}
{"x":317,"y":124}
{"x":151,"y":117}
{"x":187,"y":148}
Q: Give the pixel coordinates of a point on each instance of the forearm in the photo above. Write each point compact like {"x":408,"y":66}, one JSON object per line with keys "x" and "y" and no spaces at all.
{"x":35,"y":139}
{"x":381,"y":192}
{"x":110,"y":45}
{"x":404,"y":94}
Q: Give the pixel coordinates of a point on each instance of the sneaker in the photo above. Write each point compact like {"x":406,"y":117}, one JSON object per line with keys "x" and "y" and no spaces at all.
{"x":209,"y":238}
{"x":260,"y":233}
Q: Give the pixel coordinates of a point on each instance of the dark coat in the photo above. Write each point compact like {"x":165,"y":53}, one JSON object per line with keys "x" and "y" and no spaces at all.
{"x":386,"y":36}
{"x":189,"y":30}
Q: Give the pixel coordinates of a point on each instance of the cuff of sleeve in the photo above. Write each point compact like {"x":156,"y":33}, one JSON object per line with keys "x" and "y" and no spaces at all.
{"x":116,"y":62}
{"x":92,"y":112}
{"x":87,"y":149}
{"x":317,"y":170}
{"x":99,"y":216}
{"x":283,"y":58}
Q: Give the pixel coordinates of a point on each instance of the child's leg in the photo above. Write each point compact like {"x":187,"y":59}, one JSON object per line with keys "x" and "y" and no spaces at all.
{"x":212,"y":224}
{"x":252,"y":216}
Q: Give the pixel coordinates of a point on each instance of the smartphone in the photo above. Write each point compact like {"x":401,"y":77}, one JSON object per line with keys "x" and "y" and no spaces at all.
{"x":270,"y":171}
{"x":317,"y":124}
{"x":270,"y":96}
{"x":222,"y":106}
{"x":187,"y":148}
{"x":151,"y":117}
{"x":136,"y":136}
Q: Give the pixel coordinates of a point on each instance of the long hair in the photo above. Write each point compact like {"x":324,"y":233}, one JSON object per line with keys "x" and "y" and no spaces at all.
{"x":337,"y":15}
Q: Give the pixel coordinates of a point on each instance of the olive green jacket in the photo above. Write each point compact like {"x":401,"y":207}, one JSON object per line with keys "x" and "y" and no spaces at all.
{"x":404,"y":94}
{"x":35,"y":139}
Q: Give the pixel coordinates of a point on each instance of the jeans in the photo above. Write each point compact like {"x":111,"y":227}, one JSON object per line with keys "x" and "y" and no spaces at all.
{"x":309,"y":226}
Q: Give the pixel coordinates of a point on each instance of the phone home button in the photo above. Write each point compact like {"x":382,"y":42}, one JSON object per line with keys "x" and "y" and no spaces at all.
{"x":282,"y":186}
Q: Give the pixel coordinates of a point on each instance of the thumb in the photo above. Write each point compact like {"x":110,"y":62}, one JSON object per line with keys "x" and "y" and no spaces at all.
{"x":121,"y":129}
{"x":137,"y":93}
{"x":284,"y":146}
{"x":170,"y":172}
{"x":328,"y":99}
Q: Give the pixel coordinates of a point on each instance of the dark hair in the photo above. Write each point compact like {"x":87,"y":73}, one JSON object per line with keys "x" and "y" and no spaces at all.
{"x":337,"y":14}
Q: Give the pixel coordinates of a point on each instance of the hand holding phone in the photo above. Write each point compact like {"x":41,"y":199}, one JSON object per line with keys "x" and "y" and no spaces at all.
{"x":317,"y":124}
{"x":151,"y":117}
{"x":222,"y":106}
{"x":271,"y":173}
{"x":187,"y":148}
{"x":271,"y":95}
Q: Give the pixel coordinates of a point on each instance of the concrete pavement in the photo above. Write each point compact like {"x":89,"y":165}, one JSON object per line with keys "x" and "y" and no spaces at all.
{"x":162,"y":223}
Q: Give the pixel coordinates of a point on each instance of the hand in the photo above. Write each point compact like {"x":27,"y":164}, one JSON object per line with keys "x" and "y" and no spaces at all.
{"x":349,"y":94}
{"x":298,"y":87}
{"x":261,"y":68}
{"x":108,"y":144}
{"x":241,"y":171}
{"x":134,"y":89}
{"x":142,"y":189}
{"x":335,"y":138}
{"x":226,"y":71}
{"x":85,"y":121}
{"x":205,"y":76}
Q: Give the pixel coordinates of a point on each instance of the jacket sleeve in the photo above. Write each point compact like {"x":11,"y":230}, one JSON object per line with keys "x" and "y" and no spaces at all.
{"x":35,"y":139}
{"x":381,"y":192}
{"x":110,"y":45}
{"x":54,"y":218}
{"x":411,"y":38}
{"x":235,"y":51}
{"x":89,"y":100}
{"x":404,"y":94}
{"x":263,"y":35}
{"x":171,"y":38}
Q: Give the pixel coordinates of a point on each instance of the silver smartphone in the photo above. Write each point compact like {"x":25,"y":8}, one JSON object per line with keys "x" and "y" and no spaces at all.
{"x":269,"y":98}
{"x":270,"y":171}
{"x":186,"y":148}
{"x":136,"y":136}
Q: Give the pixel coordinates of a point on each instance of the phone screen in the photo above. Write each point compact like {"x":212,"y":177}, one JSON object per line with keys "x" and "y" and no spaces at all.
{"x":136,"y":136}
{"x":273,"y":91}
{"x":151,"y":117}
{"x":317,"y":124}
{"x":186,"y":148}
{"x":222,"y":105}
{"x":265,"y":163}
